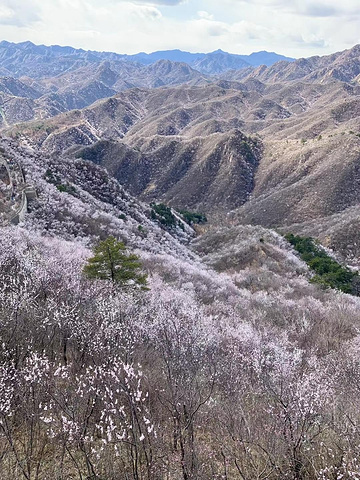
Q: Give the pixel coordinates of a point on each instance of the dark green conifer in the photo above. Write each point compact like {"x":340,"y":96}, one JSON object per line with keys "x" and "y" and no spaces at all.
{"x":112,"y":262}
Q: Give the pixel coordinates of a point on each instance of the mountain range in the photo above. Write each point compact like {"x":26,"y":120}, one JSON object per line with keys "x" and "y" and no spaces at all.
{"x":39,"y":82}
{"x":265,"y":143}
{"x":38,"y":61}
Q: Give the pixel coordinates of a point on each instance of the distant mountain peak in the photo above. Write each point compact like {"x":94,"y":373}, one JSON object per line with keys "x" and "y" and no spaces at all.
{"x":26,"y":44}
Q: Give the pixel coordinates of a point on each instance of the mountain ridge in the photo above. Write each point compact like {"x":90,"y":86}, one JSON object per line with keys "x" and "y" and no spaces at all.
{"x":18,"y":58}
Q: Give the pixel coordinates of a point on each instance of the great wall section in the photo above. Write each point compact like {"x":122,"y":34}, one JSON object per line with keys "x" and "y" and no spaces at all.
{"x":15,"y":192}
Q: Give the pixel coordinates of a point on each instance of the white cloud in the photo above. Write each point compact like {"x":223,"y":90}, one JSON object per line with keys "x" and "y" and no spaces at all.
{"x":312,"y":8}
{"x":18,"y":13}
{"x":148,"y":12}
{"x":205,"y":15}
{"x":162,"y":2}
{"x":6,"y":13}
{"x":317,"y":10}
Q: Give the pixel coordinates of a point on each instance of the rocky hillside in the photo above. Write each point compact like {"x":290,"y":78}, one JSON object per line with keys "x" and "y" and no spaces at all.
{"x":200,"y":174}
{"x":342,"y":66}
{"x":27,"y":99}
{"x":163,"y":149}
{"x":280,"y":147}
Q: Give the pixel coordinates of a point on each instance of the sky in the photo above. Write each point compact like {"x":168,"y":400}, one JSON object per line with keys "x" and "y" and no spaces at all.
{"x":297,"y":28}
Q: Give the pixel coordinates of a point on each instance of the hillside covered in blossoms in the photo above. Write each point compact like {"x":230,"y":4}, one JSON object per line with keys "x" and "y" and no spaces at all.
{"x":232,"y":364}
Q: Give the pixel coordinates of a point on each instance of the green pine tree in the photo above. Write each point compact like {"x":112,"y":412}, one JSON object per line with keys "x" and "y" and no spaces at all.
{"x":112,"y":262}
